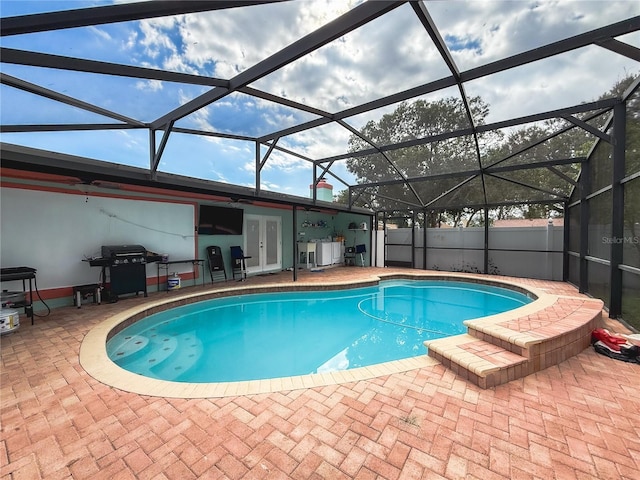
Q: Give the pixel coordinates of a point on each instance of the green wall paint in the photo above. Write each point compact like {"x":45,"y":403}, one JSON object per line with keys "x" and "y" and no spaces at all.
{"x":314,"y":225}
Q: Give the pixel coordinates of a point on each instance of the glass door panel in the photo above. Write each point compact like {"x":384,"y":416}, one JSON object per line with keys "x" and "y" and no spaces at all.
{"x":252,"y":242}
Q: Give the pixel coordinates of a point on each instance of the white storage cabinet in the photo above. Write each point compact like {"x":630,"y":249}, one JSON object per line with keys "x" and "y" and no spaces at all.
{"x":329,"y":253}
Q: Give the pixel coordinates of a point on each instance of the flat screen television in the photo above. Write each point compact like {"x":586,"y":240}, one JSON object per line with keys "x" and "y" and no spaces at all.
{"x":214,"y":220}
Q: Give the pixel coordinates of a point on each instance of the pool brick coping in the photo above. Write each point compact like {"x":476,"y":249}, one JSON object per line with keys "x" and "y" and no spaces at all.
{"x":496,"y":349}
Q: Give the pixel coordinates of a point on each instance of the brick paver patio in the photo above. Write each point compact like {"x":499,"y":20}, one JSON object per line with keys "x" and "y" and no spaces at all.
{"x":580,"y":419}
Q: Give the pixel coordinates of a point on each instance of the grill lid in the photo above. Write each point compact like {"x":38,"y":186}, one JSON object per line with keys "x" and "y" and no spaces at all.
{"x":110,"y":251}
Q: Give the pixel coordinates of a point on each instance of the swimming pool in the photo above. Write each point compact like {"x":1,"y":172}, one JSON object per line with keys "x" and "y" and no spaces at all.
{"x":268,"y":335}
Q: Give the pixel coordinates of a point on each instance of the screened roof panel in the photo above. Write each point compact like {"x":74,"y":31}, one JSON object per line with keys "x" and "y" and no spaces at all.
{"x":223,"y":152}
{"x":125,"y":147}
{"x":430,"y":191}
{"x":337,"y":174}
{"x":140,"y":99}
{"x":469,"y":191}
{"x":373,"y":168}
{"x":219,"y":43}
{"x":550,"y":84}
{"x":549,"y":142}
{"x":106,"y":43}
{"x":16,"y":8}
{"x":631,"y":39}
{"x":489,"y":31}
{"x":247,"y":115}
{"x":22,"y":108}
{"x":379,"y":58}
{"x":377,"y":115}
{"x":500,"y":189}
{"x":326,"y":140}
{"x":491,"y":145}
{"x":394,"y":197}
{"x":542,"y":179}
{"x":436,"y":158}
{"x":282,"y":173}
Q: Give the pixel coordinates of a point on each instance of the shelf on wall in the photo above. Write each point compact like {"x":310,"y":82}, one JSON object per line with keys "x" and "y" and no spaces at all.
{"x":307,"y":224}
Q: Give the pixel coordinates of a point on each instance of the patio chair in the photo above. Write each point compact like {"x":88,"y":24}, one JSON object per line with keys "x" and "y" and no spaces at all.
{"x":360,"y":251}
{"x":216,"y":262}
{"x":238,"y":263}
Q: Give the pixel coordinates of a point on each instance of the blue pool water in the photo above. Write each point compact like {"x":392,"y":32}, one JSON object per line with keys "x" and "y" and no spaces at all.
{"x":257,"y":336}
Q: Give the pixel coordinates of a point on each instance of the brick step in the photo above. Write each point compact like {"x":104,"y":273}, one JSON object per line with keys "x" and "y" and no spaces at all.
{"x":501,"y":348}
{"x":478,"y":361}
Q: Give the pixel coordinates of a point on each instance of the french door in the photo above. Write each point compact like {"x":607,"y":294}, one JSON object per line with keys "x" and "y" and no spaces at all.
{"x":263,"y":243}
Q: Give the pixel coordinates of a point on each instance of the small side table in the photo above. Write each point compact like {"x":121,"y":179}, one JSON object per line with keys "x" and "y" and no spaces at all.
{"x":84,"y":291}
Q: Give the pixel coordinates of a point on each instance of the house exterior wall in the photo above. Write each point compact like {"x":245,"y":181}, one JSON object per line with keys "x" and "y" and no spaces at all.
{"x":54,"y":225}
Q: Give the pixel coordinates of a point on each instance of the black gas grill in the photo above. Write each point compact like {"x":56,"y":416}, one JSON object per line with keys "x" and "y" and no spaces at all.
{"x":124,"y":254}
{"x":127,"y":268}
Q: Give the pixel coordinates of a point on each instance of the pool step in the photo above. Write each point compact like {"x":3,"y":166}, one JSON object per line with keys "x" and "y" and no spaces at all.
{"x":156,"y":352}
{"x":133,"y":347}
{"x":187,"y":353}
{"x":478,"y":361}
{"x":501,"y":348}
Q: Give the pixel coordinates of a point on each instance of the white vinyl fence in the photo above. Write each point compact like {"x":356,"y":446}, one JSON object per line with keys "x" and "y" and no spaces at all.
{"x":532,"y":252}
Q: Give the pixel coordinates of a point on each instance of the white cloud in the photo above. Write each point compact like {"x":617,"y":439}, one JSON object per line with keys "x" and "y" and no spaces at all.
{"x":176,"y":63}
{"x":149,"y":85}
{"x":154,"y":37}
{"x":129,"y":141}
{"x":99,"y":32}
{"x":130,"y":42}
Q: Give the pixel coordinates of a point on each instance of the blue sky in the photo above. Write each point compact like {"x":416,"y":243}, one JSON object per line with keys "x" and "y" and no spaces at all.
{"x":381,"y":58}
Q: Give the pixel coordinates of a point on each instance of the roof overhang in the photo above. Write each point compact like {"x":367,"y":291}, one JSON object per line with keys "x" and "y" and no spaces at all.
{"x":29,"y":159}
